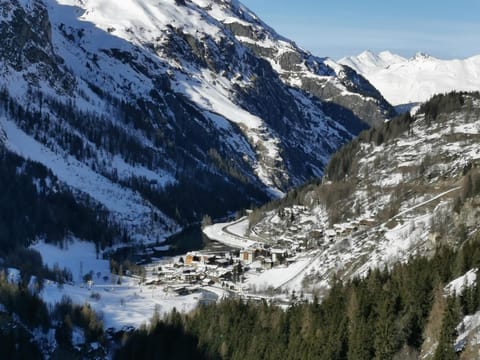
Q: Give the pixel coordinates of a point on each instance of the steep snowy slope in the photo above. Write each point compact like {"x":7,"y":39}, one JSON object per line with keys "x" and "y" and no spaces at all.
{"x":405,"y":81}
{"x":143,"y":96}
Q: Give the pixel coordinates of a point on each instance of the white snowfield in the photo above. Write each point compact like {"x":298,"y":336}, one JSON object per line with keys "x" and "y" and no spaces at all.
{"x":149,"y":16}
{"x":287,"y":277}
{"x":127,"y":304}
{"x":405,"y":81}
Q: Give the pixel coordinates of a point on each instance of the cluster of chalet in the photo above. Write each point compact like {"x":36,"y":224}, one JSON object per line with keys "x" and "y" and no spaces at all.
{"x":266,"y":258}
{"x":197,"y":268}
{"x":257,"y":254}
{"x":208,"y":268}
{"x":294,"y":238}
{"x":172,"y":274}
{"x":227,"y":268}
{"x":342,"y":230}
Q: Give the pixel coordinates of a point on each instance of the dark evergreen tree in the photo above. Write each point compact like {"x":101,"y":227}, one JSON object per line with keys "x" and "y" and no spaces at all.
{"x":386,"y":336}
{"x":445,"y":349}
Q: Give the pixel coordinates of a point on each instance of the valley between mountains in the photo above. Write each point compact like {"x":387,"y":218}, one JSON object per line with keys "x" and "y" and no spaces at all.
{"x":175,"y":174}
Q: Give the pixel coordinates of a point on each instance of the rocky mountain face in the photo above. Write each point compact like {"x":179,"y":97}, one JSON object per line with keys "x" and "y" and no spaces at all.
{"x":321,"y":77}
{"x":396,"y":192}
{"x":159,"y":112}
{"x":406,"y":81}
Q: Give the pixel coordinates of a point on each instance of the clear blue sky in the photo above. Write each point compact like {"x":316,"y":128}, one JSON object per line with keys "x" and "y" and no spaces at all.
{"x":442,"y":28}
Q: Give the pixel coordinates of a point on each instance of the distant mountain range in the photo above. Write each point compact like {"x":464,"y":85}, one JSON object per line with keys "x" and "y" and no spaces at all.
{"x":404,"y":81}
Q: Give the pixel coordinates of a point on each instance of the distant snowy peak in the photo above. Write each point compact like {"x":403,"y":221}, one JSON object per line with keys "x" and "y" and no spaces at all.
{"x":390,"y":57}
{"x":421,"y":56}
{"x":404,"y":81}
{"x":368,"y":61}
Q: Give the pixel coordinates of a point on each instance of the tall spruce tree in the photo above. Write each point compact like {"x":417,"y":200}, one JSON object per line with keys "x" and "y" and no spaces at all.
{"x":445,"y":349}
{"x":386,"y":335}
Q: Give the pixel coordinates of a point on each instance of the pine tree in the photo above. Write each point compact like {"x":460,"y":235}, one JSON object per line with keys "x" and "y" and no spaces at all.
{"x":358,"y":334}
{"x":445,"y":349}
{"x":385,"y":342}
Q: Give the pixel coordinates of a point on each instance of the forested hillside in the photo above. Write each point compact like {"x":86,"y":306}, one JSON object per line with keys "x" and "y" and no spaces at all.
{"x":397,"y":190}
{"x":34,"y":204}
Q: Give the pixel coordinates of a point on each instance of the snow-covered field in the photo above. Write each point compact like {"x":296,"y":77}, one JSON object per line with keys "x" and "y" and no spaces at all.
{"x":78,"y":256}
{"x":281,"y":276}
{"x":127,"y":304}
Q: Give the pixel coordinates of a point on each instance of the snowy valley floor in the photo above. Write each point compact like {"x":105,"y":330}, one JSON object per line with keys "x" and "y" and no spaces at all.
{"x":128,"y":304}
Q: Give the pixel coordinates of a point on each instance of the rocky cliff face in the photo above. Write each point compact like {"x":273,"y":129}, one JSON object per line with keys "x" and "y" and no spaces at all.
{"x":321,"y":77}
{"x":185,"y":108}
{"x":27,"y":48}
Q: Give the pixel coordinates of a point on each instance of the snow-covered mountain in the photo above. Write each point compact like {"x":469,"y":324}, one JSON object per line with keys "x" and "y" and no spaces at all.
{"x":404,"y":81}
{"x":162,"y":111}
{"x":369,"y":62}
{"x":391,"y":194}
